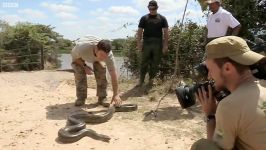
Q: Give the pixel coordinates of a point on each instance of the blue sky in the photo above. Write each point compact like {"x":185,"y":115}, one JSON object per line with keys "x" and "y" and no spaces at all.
{"x":102,"y":18}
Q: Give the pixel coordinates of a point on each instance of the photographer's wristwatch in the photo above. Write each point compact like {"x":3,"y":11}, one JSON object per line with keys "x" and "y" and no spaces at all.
{"x":210,"y":117}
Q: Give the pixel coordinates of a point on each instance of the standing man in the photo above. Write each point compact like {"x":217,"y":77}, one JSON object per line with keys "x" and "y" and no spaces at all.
{"x":220,"y":21}
{"x":239,"y":120}
{"x":94,"y":51}
{"x":152,"y":41}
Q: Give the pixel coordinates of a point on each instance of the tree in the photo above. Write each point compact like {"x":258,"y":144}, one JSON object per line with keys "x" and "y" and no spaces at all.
{"x":30,"y":39}
{"x":3,"y":27}
{"x":119,"y":46}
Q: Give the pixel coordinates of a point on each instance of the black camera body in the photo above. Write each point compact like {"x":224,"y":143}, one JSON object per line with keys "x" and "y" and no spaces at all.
{"x":259,"y":69}
{"x":186,"y":93}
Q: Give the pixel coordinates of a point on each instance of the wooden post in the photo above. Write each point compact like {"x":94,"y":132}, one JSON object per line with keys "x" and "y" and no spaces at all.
{"x":0,"y":64}
{"x":177,"y":71}
{"x":29,"y":52}
{"x":42,"y":58}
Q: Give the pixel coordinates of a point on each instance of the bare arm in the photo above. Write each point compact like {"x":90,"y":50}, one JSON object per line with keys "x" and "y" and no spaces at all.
{"x":139,"y":38}
{"x":205,"y":37}
{"x":165,"y":39}
{"x":116,"y":98}
{"x":114,"y":79}
{"x":235,"y":31}
{"x":210,"y":128}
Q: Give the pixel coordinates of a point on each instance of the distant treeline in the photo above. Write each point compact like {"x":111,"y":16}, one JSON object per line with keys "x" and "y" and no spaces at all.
{"x":19,"y":43}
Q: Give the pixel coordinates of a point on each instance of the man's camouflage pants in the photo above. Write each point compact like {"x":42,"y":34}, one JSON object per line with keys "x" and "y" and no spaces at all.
{"x":204,"y":144}
{"x":151,"y":57}
{"x":81,"y":80}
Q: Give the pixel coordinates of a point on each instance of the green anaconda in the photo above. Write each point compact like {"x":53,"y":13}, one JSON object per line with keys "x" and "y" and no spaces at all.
{"x":76,"y":124}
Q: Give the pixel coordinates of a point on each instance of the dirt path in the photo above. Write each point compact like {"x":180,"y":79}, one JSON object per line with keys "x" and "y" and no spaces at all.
{"x":34,"y":106}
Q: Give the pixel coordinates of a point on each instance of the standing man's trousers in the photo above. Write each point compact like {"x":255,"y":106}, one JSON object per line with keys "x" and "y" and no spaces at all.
{"x":151,"y":57}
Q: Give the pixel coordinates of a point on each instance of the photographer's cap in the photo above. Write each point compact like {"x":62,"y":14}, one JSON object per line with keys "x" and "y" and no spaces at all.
{"x":213,"y":1}
{"x":233,"y":47}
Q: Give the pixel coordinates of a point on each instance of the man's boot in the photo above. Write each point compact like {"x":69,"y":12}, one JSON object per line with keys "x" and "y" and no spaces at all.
{"x":103,"y":101}
{"x":140,"y":84}
{"x":151,"y":82}
{"x":79,"y":102}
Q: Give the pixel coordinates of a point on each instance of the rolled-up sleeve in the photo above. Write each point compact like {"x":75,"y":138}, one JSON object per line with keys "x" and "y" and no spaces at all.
{"x":75,"y":53}
{"x":110,"y":62}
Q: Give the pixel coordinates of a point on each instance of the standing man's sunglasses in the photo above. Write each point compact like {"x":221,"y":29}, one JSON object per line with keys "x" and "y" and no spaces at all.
{"x":152,"y":7}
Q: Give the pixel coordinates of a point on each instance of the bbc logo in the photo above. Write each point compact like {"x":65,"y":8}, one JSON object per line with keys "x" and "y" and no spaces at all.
{"x":10,"y":5}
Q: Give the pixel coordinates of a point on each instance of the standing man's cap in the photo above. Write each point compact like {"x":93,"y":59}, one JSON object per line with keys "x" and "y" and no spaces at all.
{"x":213,"y":1}
{"x":153,"y":3}
{"x":233,"y":47}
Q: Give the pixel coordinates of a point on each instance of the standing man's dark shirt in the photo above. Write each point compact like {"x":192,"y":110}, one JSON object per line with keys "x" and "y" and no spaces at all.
{"x":152,"y":25}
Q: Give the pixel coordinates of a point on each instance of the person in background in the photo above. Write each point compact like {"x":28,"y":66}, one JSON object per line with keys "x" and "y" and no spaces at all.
{"x":152,"y":41}
{"x":220,"y":21}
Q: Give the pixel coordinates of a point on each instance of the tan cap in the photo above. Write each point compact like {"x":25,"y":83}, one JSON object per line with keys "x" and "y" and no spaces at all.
{"x":213,"y":1}
{"x":233,"y":47}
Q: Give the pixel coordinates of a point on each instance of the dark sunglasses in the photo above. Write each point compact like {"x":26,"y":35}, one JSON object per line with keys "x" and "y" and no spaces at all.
{"x":152,"y":7}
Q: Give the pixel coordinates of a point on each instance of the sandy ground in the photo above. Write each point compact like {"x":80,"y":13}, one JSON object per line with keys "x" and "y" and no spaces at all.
{"x":34,"y":106}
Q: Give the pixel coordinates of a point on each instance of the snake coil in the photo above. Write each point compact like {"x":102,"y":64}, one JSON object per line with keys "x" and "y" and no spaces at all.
{"x":76,"y":124}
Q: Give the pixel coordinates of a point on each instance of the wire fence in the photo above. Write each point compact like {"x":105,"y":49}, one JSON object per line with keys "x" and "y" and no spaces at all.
{"x":22,"y":58}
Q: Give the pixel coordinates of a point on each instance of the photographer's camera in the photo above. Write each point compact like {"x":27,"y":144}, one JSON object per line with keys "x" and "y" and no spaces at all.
{"x":186,"y":94}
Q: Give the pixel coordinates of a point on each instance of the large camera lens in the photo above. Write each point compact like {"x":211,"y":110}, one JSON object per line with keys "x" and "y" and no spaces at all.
{"x":185,"y":96}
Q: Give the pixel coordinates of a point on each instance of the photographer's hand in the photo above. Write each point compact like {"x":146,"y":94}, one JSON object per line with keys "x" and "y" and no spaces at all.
{"x":207,"y":100}
{"x":209,"y":106}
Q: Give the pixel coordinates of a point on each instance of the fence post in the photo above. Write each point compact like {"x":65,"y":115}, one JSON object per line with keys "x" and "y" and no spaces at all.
{"x":0,"y":64}
{"x":29,"y":52}
{"x":42,"y":58}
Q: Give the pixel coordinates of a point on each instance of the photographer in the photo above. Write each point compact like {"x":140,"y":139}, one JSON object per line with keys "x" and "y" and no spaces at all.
{"x":239,"y":120}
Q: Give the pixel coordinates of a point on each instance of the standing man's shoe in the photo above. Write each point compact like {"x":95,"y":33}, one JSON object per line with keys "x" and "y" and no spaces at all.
{"x":103,"y":101}
{"x":151,"y":82}
{"x":140,"y":84}
{"x":79,"y":102}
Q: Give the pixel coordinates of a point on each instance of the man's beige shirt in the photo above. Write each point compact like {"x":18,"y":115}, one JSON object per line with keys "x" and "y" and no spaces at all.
{"x":84,"y":50}
{"x":241,"y":118}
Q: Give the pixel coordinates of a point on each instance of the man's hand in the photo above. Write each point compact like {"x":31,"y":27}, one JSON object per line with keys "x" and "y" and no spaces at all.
{"x":116,"y":100}
{"x":165,"y":49}
{"x":207,"y":100}
{"x":139,"y":46}
{"x":88,"y":70}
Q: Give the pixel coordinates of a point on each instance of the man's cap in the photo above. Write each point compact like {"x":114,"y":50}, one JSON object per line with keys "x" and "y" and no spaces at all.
{"x":153,"y":3}
{"x":213,"y":1}
{"x":233,"y":47}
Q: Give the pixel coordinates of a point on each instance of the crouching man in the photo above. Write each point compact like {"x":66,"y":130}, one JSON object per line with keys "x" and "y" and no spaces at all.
{"x":98,"y":52}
